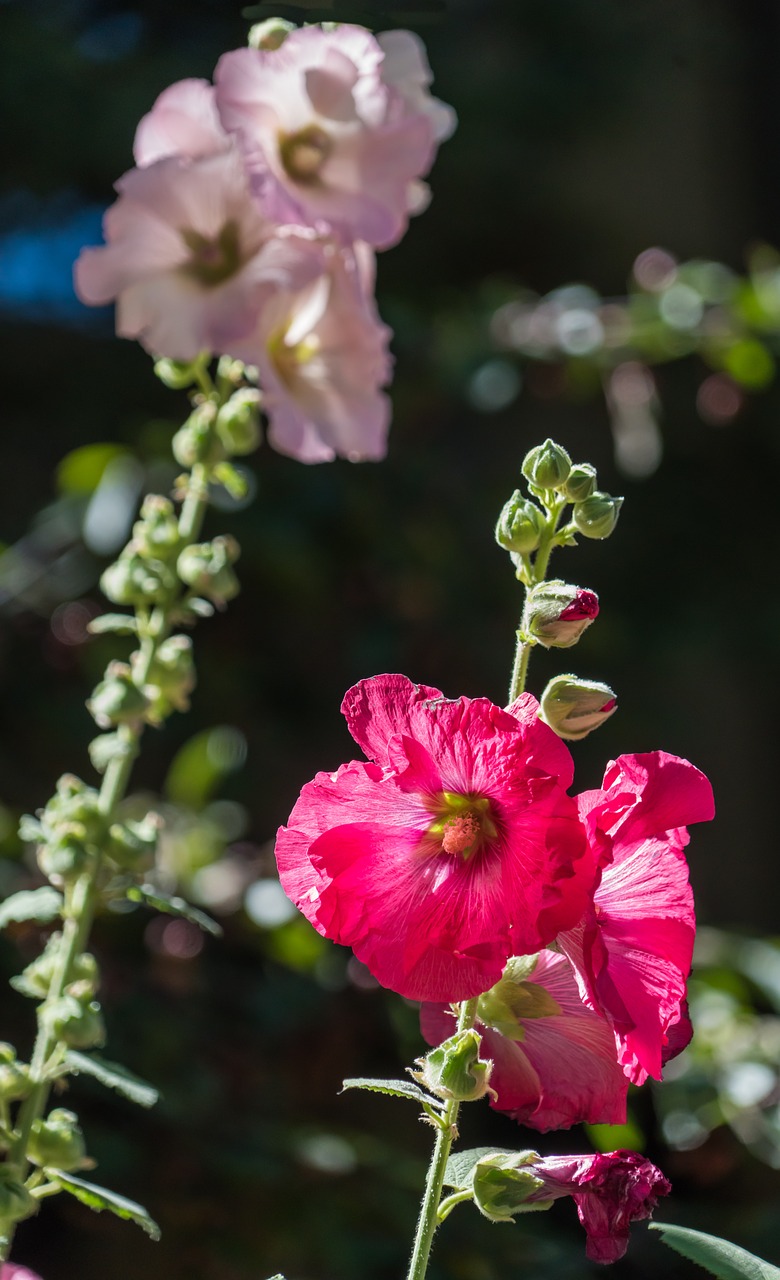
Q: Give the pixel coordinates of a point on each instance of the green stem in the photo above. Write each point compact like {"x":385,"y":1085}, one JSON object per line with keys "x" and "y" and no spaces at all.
{"x":520,"y":668}
{"x":537,"y":573}
{"x":429,"y":1211}
{"x":82,"y":900}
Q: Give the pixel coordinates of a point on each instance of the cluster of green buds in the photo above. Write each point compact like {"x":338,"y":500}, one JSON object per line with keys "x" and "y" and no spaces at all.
{"x":556,"y":613}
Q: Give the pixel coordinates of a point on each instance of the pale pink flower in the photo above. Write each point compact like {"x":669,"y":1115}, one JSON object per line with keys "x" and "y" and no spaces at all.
{"x":321,"y":351}
{"x":632,"y":951}
{"x":183,"y":122}
{"x":554,"y":1059}
{"x":183,"y":257}
{"x":610,"y":1191}
{"x":331,"y":144}
{"x":13,"y":1271}
{"x":456,"y":848}
{"x":406,"y":68}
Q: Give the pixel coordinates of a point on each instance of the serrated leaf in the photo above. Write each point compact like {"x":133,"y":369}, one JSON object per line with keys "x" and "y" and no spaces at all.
{"x":123,"y":624}
{"x":172,"y":906}
{"x":98,"y":1198}
{"x":720,"y":1257}
{"x":457,"y":1173}
{"x":43,"y":905}
{"x":396,"y":1088}
{"x":113,"y":1076}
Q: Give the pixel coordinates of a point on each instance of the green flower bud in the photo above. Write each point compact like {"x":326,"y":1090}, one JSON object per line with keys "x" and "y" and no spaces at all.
{"x":269,"y":35}
{"x":520,"y":525}
{"x":75,"y":1023}
{"x":206,"y":567}
{"x":117,"y":699}
{"x":556,"y":614}
{"x":136,"y":579}
{"x":14,"y":1078}
{"x":501,"y":1185}
{"x":57,"y":1141}
{"x":581,"y":482}
{"x":547,"y":466}
{"x":36,"y":979}
{"x":238,"y":422}
{"x":176,"y":374}
{"x":597,"y":516}
{"x":171,"y":676}
{"x":156,"y":534}
{"x":197,"y":440}
{"x":16,"y":1202}
{"x":63,"y":860}
{"x":574,"y":707}
{"x":455,"y":1070}
{"x":132,"y":845}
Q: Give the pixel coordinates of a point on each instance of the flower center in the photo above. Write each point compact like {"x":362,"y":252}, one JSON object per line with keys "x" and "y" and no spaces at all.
{"x":213,"y":259}
{"x":288,"y":357}
{"x":304,"y":153}
{"x":462,"y":824}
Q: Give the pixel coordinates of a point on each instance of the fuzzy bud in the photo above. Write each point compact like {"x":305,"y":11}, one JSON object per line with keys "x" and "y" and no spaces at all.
{"x":16,"y":1202}
{"x":197,"y":441}
{"x":136,"y":579}
{"x":207,"y":568}
{"x":547,"y":466}
{"x":502,"y":1184}
{"x":117,"y":699}
{"x":171,"y":678}
{"x":556,"y":614}
{"x":64,"y":859}
{"x":455,"y":1070}
{"x":57,"y":1141}
{"x":132,"y":845}
{"x":238,"y":422}
{"x":597,"y":516}
{"x":77,"y":1024}
{"x":14,"y":1078}
{"x":269,"y":35}
{"x":175,"y":374}
{"x":156,"y":534}
{"x":574,"y":707}
{"x":581,"y":482}
{"x":520,"y":525}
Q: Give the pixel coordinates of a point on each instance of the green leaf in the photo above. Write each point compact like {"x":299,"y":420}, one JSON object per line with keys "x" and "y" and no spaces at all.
{"x":43,"y":905}
{"x":200,"y":765}
{"x":98,"y":1198}
{"x":81,"y":470}
{"x":459,"y":1168}
{"x":172,"y":906}
{"x":396,"y":1088}
{"x":124,"y":624}
{"x":113,"y":1076}
{"x":723,"y":1259}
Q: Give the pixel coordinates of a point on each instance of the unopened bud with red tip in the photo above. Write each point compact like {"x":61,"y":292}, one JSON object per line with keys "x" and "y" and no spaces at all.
{"x":597,"y":516}
{"x":574,"y":707}
{"x":581,"y":482}
{"x":548,"y":466}
{"x":556,"y":613}
{"x":455,"y":1070}
{"x":520,"y":525}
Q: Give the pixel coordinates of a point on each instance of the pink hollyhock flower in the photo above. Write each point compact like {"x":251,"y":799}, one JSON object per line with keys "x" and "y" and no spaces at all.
{"x":455,"y":848}
{"x":610,"y":1192}
{"x":554,"y":1061}
{"x":183,"y":257}
{"x":12,"y":1271}
{"x":322,"y":354}
{"x":632,"y":951}
{"x":331,"y":143}
{"x":184,"y":121}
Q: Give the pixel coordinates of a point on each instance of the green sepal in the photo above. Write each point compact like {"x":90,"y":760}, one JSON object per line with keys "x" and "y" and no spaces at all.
{"x":231,"y":479}
{"x":720,"y":1257}
{"x":98,"y":1198}
{"x":124,"y":624}
{"x":396,"y":1088}
{"x":173,"y":906}
{"x":460,"y":1166}
{"x":113,"y":1076}
{"x":43,"y":905}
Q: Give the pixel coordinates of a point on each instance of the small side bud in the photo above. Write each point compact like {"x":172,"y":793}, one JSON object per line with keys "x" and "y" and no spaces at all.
{"x":207,"y":568}
{"x":132,"y":845}
{"x":575,"y":707}
{"x":547,"y":466}
{"x":455,"y":1070}
{"x":269,"y":35}
{"x":63,"y":860}
{"x":520,"y":525}
{"x":117,"y":699}
{"x":171,"y":678}
{"x":238,"y":422}
{"x":156,"y":534}
{"x":14,"y":1078}
{"x":197,"y":440}
{"x":556,"y":614}
{"x":581,"y":482}
{"x":57,"y":1141}
{"x":77,"y":1024}
{"x":175,"y":374}
{"x":502,"y":1185}
{"x":136,"y":579}
{"x":597,"y":516}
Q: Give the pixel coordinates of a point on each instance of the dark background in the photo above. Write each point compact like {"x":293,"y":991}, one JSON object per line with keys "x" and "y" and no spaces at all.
{"x":588,"y":131}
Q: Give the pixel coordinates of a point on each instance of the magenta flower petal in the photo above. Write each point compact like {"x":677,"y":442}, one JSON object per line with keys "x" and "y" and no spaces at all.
{"x":457,"y":849}
{"x":554,"y":1059}
{"x":632,"y":951}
